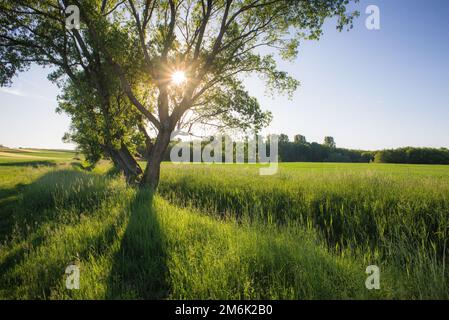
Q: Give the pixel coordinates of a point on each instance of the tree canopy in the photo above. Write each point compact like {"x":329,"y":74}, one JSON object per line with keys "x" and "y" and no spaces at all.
{"x":116,"y":71}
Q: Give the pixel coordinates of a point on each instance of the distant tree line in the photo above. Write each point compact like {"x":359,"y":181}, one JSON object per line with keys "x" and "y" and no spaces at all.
{"x":413,"y":156}
{"x":299,"y":150}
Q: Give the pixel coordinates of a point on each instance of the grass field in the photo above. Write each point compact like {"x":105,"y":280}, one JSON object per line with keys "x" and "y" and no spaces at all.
{"x":222,"y":231}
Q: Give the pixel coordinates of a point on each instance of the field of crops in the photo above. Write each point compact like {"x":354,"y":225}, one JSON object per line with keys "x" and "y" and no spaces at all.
{"x":222,"y":231}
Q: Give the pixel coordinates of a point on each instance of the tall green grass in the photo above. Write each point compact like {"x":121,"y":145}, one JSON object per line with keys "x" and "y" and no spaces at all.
{"x":398,"y":218}
{"x":233,"y":241}
{"x":129,"y":245}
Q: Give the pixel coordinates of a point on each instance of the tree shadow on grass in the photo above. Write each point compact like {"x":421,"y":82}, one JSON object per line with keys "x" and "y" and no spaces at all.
{"x":13,"y":220}
{"x":9,"y":204}
{"x":25,"y":208}
{"x":139,"y":268}
{"x":51,"y":270}
{"x":35,"y":164}
{"x":18,"y":254}
{"x":38,"y":206}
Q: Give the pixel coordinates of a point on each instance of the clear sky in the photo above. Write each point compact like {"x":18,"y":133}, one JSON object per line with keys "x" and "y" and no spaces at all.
{"x":368,"y":89}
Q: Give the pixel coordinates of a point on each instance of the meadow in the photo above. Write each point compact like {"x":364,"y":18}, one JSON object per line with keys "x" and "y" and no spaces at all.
{"x":222,"y":231}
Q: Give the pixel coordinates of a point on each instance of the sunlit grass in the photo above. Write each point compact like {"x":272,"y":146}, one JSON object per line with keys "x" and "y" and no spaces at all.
{"x":130,"y":247}
{"x":307,"y":233}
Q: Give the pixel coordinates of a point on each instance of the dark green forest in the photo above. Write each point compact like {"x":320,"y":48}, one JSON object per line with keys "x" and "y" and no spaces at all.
{"x":299,"y":150}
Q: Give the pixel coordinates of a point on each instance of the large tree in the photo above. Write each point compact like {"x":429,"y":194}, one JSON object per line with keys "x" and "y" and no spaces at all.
{"x":178,"y":62}
{"x":329,"y":142}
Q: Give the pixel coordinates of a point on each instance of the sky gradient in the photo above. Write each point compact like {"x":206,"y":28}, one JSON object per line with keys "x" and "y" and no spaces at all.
{"x":368,"y":89}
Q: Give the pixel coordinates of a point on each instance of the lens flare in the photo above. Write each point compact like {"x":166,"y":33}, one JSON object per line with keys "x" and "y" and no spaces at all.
{"x":178,"y":77}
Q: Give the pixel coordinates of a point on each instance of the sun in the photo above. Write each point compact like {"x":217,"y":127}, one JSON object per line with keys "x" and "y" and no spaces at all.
{"x":178,"y":77}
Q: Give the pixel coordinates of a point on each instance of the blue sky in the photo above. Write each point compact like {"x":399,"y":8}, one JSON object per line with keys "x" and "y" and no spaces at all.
{"x":368,"y":89}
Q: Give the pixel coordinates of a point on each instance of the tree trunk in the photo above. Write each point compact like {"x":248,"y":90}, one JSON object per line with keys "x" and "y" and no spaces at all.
{"x":152,"y":171}
{"x":129,"y":161}
{"x":125,"y":162}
